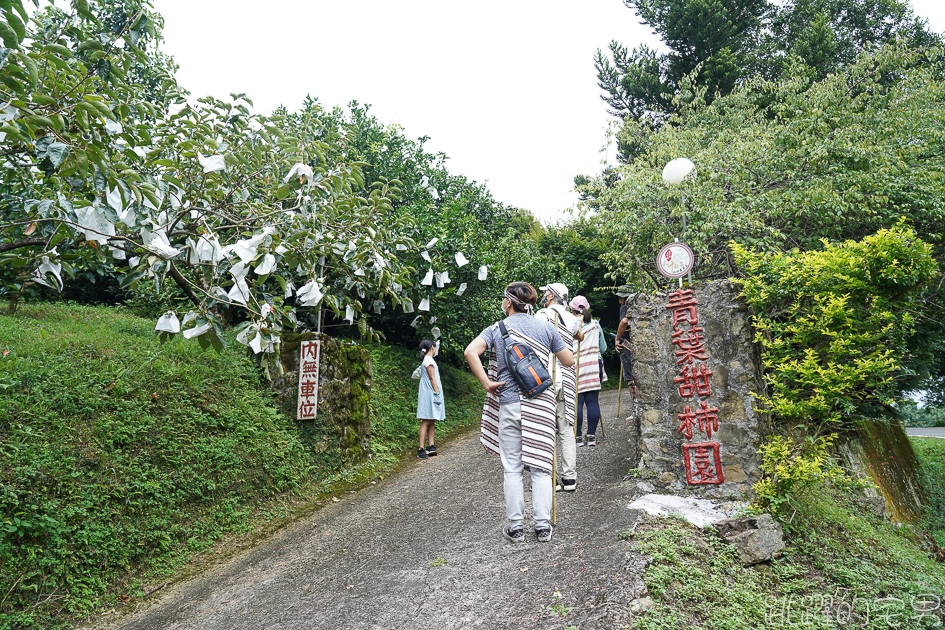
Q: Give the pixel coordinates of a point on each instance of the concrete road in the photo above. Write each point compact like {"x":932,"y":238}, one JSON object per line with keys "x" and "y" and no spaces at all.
{"x":938,"y":432}
{"x":423,"y":549}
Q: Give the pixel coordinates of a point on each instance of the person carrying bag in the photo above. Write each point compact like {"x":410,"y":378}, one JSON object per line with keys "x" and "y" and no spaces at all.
{"x":518,"y":429}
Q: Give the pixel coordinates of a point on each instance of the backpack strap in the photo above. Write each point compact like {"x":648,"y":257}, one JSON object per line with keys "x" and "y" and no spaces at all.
{"x":503,"y":330}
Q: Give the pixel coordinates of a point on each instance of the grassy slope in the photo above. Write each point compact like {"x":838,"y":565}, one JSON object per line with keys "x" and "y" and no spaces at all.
{"x":122,"y":458}
{"x":842,"y":568}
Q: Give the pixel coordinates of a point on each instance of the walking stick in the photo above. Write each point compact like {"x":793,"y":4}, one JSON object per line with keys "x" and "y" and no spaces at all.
{"x":554,"y":444}
{"x":554,"y":477}
{"x":577,"y":377}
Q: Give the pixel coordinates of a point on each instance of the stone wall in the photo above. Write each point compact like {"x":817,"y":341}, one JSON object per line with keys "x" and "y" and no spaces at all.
{"x":736,"y":375}
{"x":344,"y":385}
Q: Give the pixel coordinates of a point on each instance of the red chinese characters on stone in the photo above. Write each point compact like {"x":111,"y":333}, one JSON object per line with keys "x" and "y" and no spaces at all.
{"x":309,"y":352}
{"x":306,"y":411}
{"x":691,"y":345}
{"x":694,"y":380}
{"x":703,"y":462}
{"x":683,"y":304}
{"x":705,"y":419}
{"x":307,"y":390}
{"x":688,"y":422}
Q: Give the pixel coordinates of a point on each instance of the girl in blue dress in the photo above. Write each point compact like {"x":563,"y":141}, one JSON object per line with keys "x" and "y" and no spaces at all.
{"x":430,"y":399}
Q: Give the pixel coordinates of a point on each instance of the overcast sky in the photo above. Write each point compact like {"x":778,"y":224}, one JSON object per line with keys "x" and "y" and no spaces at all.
{"x":505,"y":88}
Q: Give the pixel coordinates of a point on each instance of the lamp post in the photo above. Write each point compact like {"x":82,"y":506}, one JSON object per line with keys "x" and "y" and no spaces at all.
{"x":674,"y":173}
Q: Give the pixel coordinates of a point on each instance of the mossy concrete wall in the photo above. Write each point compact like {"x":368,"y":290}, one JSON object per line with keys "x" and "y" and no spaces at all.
{"x":880,"y":451}
{"x":344,"y":388}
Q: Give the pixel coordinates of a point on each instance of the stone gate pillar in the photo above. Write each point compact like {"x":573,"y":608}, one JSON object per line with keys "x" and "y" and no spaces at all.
{"x":697,"y":371}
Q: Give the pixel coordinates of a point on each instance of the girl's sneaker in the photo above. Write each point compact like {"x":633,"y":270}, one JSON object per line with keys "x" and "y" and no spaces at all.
{"x":422,"y":453}
{"x":591,"y":440}
{"x":581,"y":441}
{"x":431,"y":450}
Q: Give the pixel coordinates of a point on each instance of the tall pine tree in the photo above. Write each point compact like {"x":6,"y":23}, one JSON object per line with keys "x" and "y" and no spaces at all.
{"x":725,"y":41}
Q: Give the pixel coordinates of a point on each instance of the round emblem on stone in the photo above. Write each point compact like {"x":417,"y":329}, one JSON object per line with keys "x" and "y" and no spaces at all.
{"x":675,"y":260}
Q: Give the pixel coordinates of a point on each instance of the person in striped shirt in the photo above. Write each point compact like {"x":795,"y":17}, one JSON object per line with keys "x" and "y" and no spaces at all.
{"x":519,"y":430}
{"x":590,"y":371}
{"x":556,"y":312}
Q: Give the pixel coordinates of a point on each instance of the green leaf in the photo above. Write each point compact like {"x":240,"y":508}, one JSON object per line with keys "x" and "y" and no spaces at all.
{"x":44,"y":100}
{"x":9,"y":36}
{"x":90,"y":44}
{"x":103,"y":69}
{"x":82,"y":8}
{"x":103,"y":110}
{"x":17,"y":24}
{"x":130,"y":279}
{"x":61,"y":50}
{"x":32,"y":69}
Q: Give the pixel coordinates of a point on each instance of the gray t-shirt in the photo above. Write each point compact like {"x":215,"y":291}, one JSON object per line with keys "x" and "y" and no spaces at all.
{"x":527,"y":325}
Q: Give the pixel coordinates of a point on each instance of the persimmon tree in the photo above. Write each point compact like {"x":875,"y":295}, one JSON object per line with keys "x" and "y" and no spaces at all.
{"x":107,"y":164}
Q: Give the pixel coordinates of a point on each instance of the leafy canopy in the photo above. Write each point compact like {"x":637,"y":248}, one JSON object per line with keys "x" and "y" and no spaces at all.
{"x":721,"y":43}
{"x":270,"y":222}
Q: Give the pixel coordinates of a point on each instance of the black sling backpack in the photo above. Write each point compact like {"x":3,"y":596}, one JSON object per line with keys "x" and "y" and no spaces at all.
{"x":529,"y":373}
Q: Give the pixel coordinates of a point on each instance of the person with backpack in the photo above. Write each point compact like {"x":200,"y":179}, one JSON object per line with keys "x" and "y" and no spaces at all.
{"x":590,"y":371}
{"x":520,"y":428}
{"x":565,"y":379}
{"x":430,"y":406}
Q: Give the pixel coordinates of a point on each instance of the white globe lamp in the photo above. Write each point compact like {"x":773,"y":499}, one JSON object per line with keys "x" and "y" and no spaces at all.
{"x":677,"y":170}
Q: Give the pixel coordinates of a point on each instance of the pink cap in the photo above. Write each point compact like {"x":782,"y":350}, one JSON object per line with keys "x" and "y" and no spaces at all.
{"x":580,"y":303}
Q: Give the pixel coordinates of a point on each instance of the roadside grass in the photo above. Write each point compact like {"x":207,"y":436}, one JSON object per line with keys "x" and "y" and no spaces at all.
{"x":394,"y":424}
{"x":125,"y":463}
{"x":841,"y":568}
{"x":931,"y":455}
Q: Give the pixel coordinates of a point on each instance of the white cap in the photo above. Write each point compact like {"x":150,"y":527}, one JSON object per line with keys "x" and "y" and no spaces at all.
{"x":557,"y":288}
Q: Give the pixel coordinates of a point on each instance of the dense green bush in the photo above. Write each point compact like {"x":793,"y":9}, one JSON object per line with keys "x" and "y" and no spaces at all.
{"x":836,"y":325}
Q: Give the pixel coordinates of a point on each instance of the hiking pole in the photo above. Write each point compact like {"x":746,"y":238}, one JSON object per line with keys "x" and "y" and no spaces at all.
{"x":554,"y":476}
{"x":577,"y":377}
{"x":554,"y":437}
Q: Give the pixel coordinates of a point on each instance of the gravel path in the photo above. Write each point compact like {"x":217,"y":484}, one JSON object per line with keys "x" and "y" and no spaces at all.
{"x":423,"y":549}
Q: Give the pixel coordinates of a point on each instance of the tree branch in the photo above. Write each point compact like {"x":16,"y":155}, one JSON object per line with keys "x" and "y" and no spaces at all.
{"x":26,"y":242}
{"x":183,"y":284}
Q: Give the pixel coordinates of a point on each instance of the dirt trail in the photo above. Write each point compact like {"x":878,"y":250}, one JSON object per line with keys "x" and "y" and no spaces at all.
{"x":423,"y":549}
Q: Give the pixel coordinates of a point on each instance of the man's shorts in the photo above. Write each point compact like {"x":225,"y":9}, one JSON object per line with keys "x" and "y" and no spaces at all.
{"x":626,"y":360}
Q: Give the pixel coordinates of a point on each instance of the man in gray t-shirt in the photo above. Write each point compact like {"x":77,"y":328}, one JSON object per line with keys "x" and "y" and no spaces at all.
{"x":505,"y":437}
{"x":527,"y":325}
